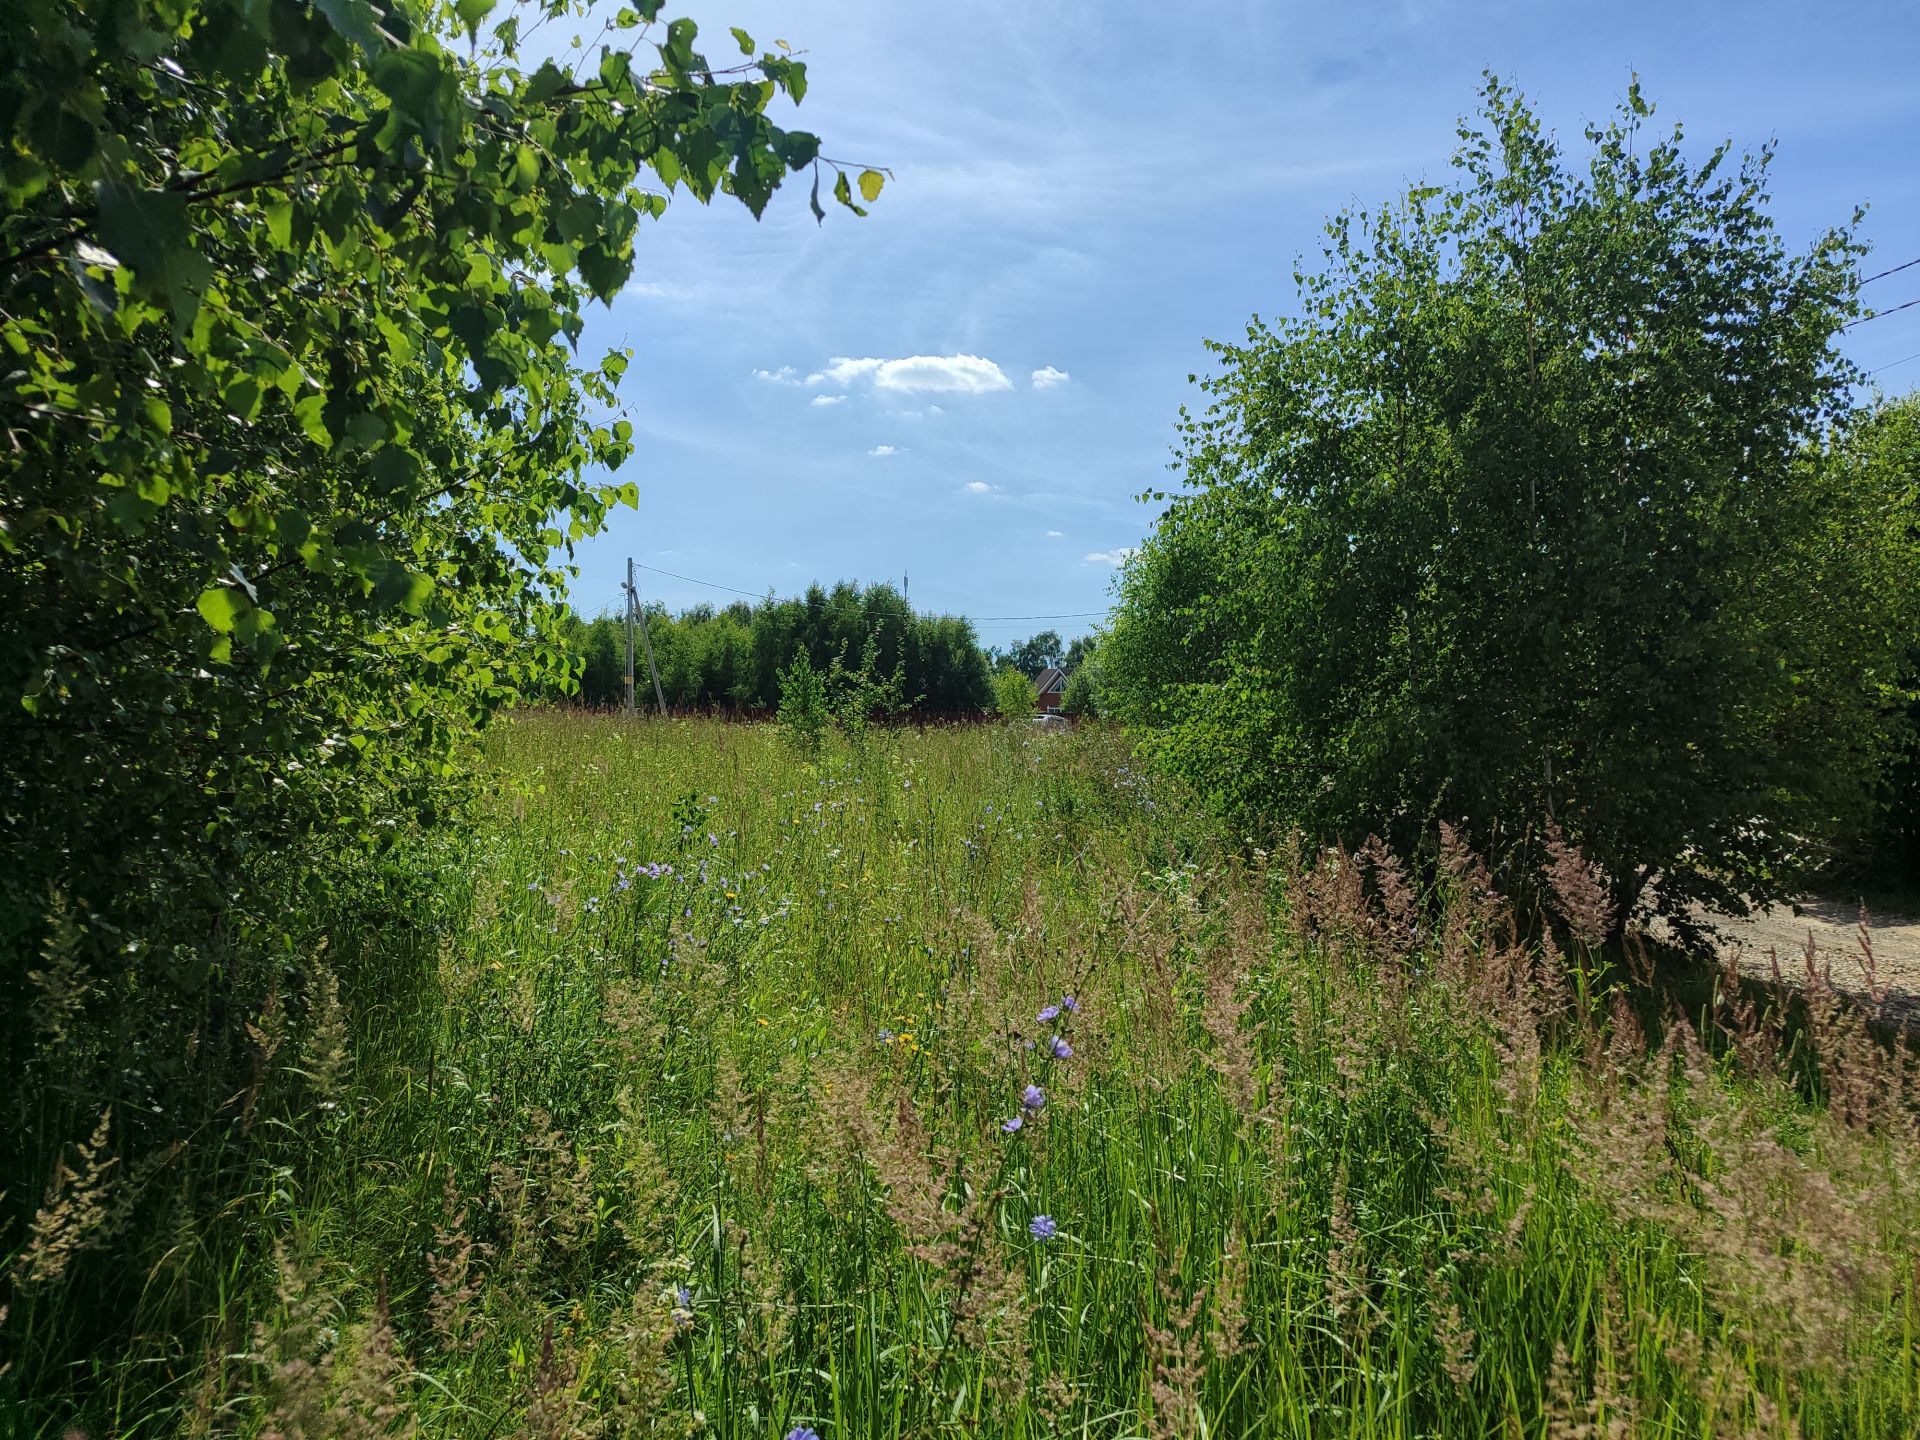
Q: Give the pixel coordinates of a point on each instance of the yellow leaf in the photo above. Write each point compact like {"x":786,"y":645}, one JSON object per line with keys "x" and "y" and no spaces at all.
{"x":870,"y":183}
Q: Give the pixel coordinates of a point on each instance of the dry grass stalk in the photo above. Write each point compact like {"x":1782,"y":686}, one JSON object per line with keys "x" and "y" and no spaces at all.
{"x":77,"y":1213}
{"x":1228,"y":1316}
{"x":1176,"y":1354}
{"x":60,"y":989}
{"x":762,"y":1303}
{"x":295,"y":1349}
{"x":1578,"y":890}
{"x":370,"y":1405}
{"x":1232,"y":1056}
{"x":643,"y":1372}
{"x":1348,"y":1284}
{"x":646,"y":1220}
{"x":1395,"y":916}
{"x":991,"y":1317}
{"x":559,"y":1180}
{"x":556,"y":1410}
{"x":455,"y":1275}
{"x":327,"y":1058}
{"x":1451,"y":1333}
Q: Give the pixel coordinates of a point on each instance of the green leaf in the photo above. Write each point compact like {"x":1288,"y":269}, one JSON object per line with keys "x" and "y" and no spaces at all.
{"x":355,"y":19}
{"x":472,"y":12}
{"x":310,"y":413}
{"x":279,"y":218}
{"x":402,"y":588}
{"x":743,"y":40}
{"x":843,"y":192}
{"x":222,"y":607}
{"x":146,"y":229}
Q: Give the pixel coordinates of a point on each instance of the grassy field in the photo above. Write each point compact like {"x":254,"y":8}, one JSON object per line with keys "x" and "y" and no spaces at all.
{"x":970,"y":1085}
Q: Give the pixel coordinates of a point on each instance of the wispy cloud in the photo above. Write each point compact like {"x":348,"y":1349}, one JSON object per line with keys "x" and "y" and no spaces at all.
{"x":980,"y":487}
{"x":914,"y":374}
{"x":1046,"y":377}
{"x":827,"y":400}
{"x":881,"y":452}
{"x":785,"y":375}
{"x":1056,"y":535}
{"x":1115,"y":557}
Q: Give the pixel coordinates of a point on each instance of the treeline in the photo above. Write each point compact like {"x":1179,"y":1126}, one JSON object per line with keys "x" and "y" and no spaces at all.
{"x":730,"y":658}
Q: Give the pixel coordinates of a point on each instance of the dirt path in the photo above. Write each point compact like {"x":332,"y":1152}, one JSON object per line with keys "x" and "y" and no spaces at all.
{"x":1835,"y":928}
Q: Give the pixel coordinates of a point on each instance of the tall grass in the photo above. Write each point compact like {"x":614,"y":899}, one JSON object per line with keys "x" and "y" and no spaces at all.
{"x":694,"y":1116}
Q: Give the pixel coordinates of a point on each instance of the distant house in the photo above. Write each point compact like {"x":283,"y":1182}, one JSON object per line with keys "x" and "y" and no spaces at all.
{"x":1051,"y":685}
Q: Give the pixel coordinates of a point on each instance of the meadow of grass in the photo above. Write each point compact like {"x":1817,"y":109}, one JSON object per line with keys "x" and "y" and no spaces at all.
{"x":968,"y":1082}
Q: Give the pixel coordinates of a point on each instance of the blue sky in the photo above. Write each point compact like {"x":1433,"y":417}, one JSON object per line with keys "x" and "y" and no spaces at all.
{"x":1082,"y":192}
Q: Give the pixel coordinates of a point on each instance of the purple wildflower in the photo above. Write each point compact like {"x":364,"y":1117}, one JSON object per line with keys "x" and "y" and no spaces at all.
{"x":1009,"y":1126}
{"x":1061,"y":1050}
{"x":1033,"y":1097}
{"x":1048,"y":1015}
{"x":803,"y":1432}
{"x":1069,"y":1004}
{"x":1041,"y":1227}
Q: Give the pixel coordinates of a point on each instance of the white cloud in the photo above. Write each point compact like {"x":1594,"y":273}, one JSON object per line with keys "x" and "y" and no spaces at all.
{"x":979,"y":487}
{"x":1056,"y":535}
{"x":785,"y":375}
{"x":880,"y":452}
{"x":826,"y":399}
{"x":843,"y":371}
{"x":1115,"y":557}
{"x":914,"y":374}
{"x":1046,"y":377}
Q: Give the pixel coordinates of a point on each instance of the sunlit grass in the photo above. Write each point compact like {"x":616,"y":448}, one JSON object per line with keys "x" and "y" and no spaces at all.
{"x":691,"y":1114}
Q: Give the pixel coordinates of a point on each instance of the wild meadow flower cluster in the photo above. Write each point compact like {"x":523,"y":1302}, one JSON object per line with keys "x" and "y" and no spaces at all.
{"x":972,"y":1085}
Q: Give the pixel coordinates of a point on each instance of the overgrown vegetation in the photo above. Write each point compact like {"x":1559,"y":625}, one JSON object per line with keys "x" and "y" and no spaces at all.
{"x":970,"y":1088}
{"x":296,"y":442}
{"x":1524,"y":518}
{"x":733,"y":658}
{"x":828,"y":1079}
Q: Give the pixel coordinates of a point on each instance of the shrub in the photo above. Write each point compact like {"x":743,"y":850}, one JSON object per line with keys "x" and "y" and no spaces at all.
{"x":1082,"y":697}
{"x":1521,"y":519}
{"x":804,"y":714}
{"x":1014,"y":694}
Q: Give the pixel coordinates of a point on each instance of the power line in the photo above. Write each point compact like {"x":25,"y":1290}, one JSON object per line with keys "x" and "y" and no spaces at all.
{"x":1891,"y":363}
{"x":710,"y":584}
{"x":1894,"y":271}
{"x":1076,"y":615}
{"x":1880,"y":314}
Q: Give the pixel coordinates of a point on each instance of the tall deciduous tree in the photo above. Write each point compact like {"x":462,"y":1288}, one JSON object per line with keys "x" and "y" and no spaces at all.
{"x":296,"y":437}
{"x":1522,"y":518}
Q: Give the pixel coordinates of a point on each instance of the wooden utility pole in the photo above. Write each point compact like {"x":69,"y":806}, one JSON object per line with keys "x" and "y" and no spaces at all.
{"x":629,"y":635}
{"x":652,"y":669}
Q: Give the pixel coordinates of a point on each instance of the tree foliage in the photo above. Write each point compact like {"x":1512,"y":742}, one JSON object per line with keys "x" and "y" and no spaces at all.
{"x":1084,"y":682}
{"x":1043,"y":651}
{"x":1014,"y":695}
{"x":297,"y":438}
{"x":1524,"y":516}
{"x":733,"y":658}
{"x":1881,"y":457}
